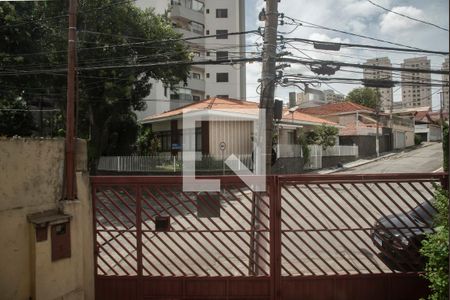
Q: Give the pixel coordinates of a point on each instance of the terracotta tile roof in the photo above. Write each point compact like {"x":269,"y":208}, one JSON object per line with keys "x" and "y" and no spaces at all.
{"x":212,"y":103}
{"x":422,"y":116}
{"x":231,"y":105}
{"x":300,"y":116}
{"x":335,"y":108}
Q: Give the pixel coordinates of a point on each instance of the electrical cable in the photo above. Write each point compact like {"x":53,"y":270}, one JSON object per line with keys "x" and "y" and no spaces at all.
{"x":408,"y":17}
{"x":367,"y":46}
{"x":350,"y":33}
{"x":362,"y":66}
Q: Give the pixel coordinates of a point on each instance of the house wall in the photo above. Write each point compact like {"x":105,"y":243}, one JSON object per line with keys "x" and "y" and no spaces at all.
{"x":32,"y":181}
{"x":435,"y":133}
{"x":236,"y":135}
{"x":161,"y":126}
{"x":288,"y":165}
{"x":345,"y":120}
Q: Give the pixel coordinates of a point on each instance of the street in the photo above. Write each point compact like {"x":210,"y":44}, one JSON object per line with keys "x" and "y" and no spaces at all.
{"x":421,"y":160}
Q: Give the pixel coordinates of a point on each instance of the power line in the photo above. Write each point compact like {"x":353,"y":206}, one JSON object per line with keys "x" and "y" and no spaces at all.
{"x":408,"y":17}
{"x":367,"y":46}
{"x":165,"y":63}
{"x":29,"y":110}
{"x":171,"y":40}
{"x":351,"y":33}
{"x":353,"y":56}
{"x":362,"y":66}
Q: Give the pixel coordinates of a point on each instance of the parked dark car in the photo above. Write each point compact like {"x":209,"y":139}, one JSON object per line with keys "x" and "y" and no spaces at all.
{"x":399,"y":237}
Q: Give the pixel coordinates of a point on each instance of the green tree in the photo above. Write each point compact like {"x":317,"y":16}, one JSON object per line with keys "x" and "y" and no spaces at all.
{"x":365,"y":96}
{"x":147,"y":142}
{"x":111,"y":34}
{"x":435,"y":250}
{"x":14,"y":118}
{"x":16,"y":90}
{"x":323,"y":135}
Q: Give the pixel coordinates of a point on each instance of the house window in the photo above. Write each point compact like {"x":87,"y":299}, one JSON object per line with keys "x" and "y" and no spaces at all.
{"x":207,"y":10}
{"x":197,"y":27}
{"x":221,"y":34}
{"x":207,"y":75}
{"x":223,"y":96}
{"x":222,"y":13}
{"x":196,"y":98}
{"x":198,"y":139}
{"x":207,"y":32}
{"x":165,"y":91}
{"x":222,"y":55}
{"x":291,"y":137}
{"x":165,"y":139}
{"x":196,"y":76}
{"x":222,"y":77}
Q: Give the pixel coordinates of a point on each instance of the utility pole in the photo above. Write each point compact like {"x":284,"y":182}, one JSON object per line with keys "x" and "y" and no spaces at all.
{"x":269,"y":75}
{"x":377,"y":111}
{"x":441,"y":115}
{"x":70,"y":118}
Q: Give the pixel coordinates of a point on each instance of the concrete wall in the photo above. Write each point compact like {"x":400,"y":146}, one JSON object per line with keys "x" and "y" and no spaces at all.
{"x":332,"y":161}
{"x":288,"y":165}
{"x":32,"y":182}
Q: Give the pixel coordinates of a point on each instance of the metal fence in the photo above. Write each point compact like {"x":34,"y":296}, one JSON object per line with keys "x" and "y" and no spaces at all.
{"x":308,"y":237}
{"x":164,"y":163}
{"x":317,"y":153}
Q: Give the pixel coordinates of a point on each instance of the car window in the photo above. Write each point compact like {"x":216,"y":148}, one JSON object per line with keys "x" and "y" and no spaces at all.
{"x":424,"y":213}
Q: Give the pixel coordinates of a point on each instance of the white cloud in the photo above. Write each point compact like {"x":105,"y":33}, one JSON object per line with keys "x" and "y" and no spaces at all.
{"x":391,"y":23}
{"x":359,"y":17}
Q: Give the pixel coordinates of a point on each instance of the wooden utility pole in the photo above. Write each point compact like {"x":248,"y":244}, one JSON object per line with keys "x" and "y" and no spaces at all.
{"x":377,"y":111}
{"x":70,"y":117}
{"x":268,"y":75}
{"x":268,"y":81}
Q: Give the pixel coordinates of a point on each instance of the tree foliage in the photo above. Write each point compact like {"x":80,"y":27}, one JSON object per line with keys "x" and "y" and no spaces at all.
{"x":110,"y":33}
{"x":14,"y":92}
{"x":147,"y":142}
{"x":14,"y":118}
{"x":365,"y":96}
{"x":323,"y":135}
{"x":435,"y":249}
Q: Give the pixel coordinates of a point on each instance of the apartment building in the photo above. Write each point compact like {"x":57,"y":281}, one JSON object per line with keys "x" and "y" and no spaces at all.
{"x":332,"y":97}
{"x":386,"y":94}
{"x":445,"y":88}
{"x":196,"y":18}
{"x":416,"y":87}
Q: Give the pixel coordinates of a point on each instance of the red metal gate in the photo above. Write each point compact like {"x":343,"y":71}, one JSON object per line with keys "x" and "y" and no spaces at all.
{"x":309,"y":237}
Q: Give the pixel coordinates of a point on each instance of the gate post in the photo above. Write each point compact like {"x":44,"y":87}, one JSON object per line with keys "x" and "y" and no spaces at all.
{"x":275,"y":237}
{"x":139,"y":285}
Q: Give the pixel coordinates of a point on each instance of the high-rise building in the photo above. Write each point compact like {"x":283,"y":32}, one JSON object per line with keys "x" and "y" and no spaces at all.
{"x":416,"y":87}
{"x":196,"y":18}
{"x":444,"y":95}
{"x":386,"y":94}
{"x":331,"y":97}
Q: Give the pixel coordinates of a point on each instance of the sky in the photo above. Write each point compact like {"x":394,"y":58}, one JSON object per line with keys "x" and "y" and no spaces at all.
{"x":359,"y":17}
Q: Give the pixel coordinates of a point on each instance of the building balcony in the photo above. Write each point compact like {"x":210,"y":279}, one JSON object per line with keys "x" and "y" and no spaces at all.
{"x":178,"y":11}
{"x":189,"y":34}
{"x":196,"y":84}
